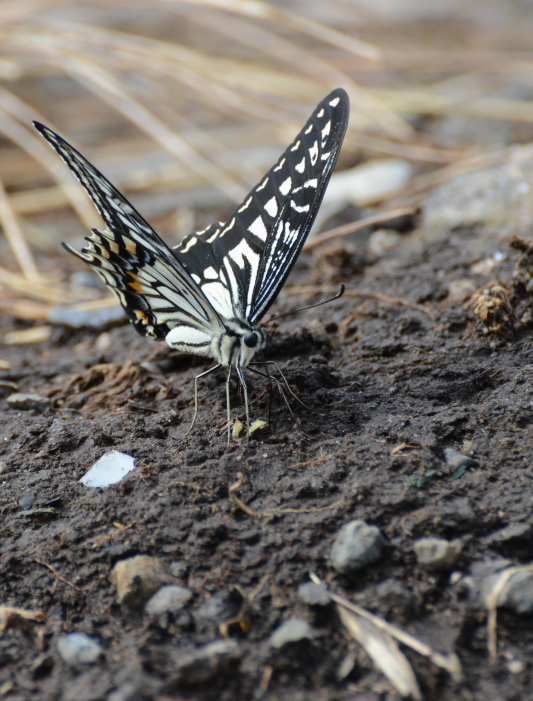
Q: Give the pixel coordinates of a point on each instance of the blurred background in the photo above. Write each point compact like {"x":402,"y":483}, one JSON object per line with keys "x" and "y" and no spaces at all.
{"x":185,"y":104}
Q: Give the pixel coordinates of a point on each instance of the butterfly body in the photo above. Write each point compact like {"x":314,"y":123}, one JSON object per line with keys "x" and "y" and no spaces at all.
{"x":208,"y":295}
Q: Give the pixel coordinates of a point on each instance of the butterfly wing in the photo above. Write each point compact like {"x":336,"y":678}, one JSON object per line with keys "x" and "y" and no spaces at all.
{"x":152,"y":285}
{"x":242,"y":265}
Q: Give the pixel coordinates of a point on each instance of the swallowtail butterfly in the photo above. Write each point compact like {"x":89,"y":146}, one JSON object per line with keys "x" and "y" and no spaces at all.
{"x":208,"y":295}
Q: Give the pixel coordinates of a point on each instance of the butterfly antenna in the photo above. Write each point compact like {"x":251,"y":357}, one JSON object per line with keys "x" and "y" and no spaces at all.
{"x":265,"y":365}
{"x":312,"y":306}
{"x":280,"y":387}
{"x":202,"y":374}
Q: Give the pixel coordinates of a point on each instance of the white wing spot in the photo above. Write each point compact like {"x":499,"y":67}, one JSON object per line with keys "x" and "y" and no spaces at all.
{"x":303,"y":208}
{"x":309,"y":129}
{"x":263,"y":185}
{"x":300,"y":167}
{"x":280,"y":165}
{"x":258,"y":229}
{"x":313,"y":153}
{"x":196,"y":278}
{"x":245,"y":205}
{"x":272,"y":206}
{"x":228,"y":228}
{"x":325,"y":156}
{"x":213,"y":236}
{"x":321,"y":113}
{"x":210,"y":273}
{"x":335,"y":102}
{"x":296,"y":146}
{"x":311,"y":183}
{"x":325,"y":132}
{"x":190,"y":244}
{"x":242,"y":254}
{"x":285,"y":186}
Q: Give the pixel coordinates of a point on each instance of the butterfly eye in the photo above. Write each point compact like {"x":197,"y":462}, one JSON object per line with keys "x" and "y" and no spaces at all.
{"x":251,"y":339}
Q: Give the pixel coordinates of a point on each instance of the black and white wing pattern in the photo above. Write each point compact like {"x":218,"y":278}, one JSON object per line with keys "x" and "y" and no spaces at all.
{"x":242,"y":265}
{"x":149,"y":281}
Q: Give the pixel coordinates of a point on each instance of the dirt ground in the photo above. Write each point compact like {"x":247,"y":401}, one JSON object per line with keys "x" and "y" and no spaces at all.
{"x":389,"y":384}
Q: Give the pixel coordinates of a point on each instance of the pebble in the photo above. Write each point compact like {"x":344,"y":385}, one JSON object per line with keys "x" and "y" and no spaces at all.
{"x":207,"y":662}
{"x":515,"y":539}
{"x":381,"y":241}
{"x":437,"y":553}
{"x":26,"y":402}
{"x":97,"y":319}
{"x":370,"y":182}
{"x":456,"y":459}
{"x":111,"y":468}
{"x":517,"y":593}
{"x":169,"y":599}
{"x":356,"y":545}
{"x":27,"y":499}
{"x":314,"y":594}
{"x":496,"y":202}
{"x":393,"y":594}
{"x":4,"y":468}
{"x":219,"y":607}
{"x":293,"y":630}
{"x":138,"y":578}
{"x":78,"y":649}
{"x":178,"y":568}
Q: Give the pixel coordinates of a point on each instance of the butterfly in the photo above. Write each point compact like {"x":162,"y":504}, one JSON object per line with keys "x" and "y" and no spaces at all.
{"x":207,"y":296}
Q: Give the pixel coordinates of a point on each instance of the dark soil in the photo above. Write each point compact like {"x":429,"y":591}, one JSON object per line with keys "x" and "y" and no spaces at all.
{"x":387,"y":387}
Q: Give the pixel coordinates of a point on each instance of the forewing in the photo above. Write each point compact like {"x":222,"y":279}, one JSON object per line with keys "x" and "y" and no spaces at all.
{"x":148,"y":280}
{"x":241,"y":265}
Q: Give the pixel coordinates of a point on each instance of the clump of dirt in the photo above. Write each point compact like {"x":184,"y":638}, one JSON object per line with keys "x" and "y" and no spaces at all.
{"x":392,"y":377}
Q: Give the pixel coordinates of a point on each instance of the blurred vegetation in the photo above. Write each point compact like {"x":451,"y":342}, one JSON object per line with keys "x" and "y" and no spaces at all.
{"x":184,"y":106}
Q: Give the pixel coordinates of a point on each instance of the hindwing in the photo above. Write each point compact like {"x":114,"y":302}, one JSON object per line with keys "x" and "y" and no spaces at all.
{"x":149,"y":281}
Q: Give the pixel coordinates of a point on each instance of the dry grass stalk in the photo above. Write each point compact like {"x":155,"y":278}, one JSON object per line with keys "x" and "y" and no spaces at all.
{"x":384,"y":652}
{"x":499,"y":588}
{"x":449,"y":662}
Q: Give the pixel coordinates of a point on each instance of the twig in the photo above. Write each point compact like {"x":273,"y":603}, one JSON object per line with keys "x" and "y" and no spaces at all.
{"x":56,"y":573}
{"x":352,"y":227}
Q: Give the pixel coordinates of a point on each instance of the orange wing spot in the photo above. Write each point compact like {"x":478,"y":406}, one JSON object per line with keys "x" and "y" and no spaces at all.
{"x":135,"y":283}
{"x":137,"y":286}
{"x":143,"y":317}
{"x":131,"y":246}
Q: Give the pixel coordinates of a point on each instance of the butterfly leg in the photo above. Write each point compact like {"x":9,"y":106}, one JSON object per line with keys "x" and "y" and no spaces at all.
{"x":270,"y":378}
{"x":228,"y":403}
{"x":202,"y":374}
{"x":245,"y":392}
{"x":293,"y":394}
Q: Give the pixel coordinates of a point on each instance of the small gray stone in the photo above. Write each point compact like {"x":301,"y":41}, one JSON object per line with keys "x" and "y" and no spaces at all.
{"x":178,"y":569}
{"x":456,"y":459}
{"x":218,"y":608}
{"x":169,"y":599}
{"x":98,"y":319}
{"x":293,"y":630}
{"x":4,"y":468}
{"x":516,"y":539}
{"x":26,"y":402}
{"x":207,"y":662}
{"x":517,"y":594}
{"x":356,"y":545}
{"x":27,"y":499}
{"x":314,"y":594}
{"x":78,"y":649}
{"x":437,"y":553}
